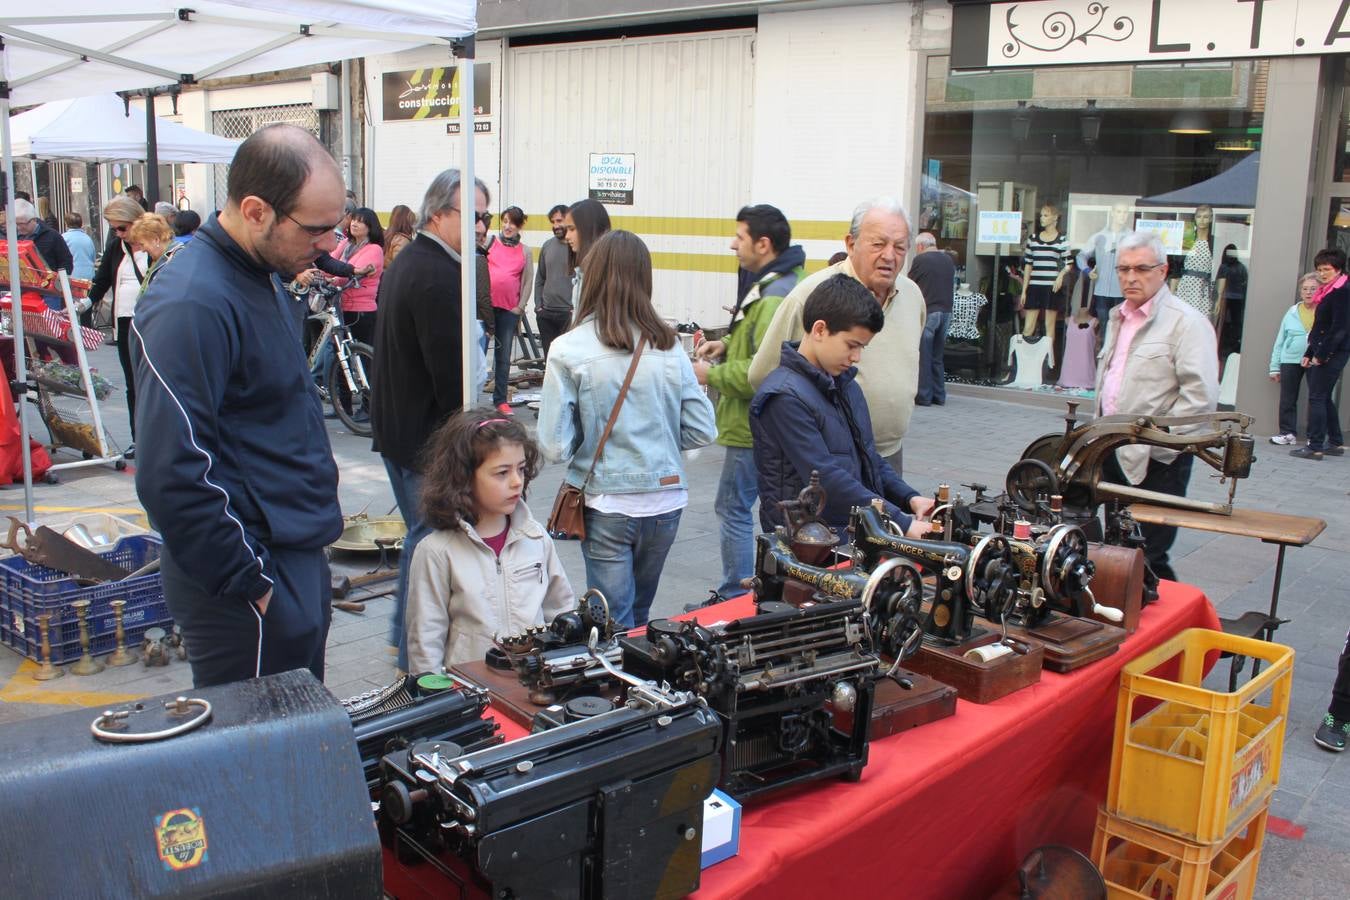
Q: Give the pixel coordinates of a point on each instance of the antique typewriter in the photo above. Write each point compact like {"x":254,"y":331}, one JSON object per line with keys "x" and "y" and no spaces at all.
{"x":607,"y":806}
{"x":417,"y":708}
{"x":776,"y":679}
{"x":553,"y":661}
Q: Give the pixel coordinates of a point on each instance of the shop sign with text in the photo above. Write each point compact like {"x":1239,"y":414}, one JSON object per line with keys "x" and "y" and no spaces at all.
{"x":611,"y":178}
{"x":416,"y":94}
{"x":1074,"y":32}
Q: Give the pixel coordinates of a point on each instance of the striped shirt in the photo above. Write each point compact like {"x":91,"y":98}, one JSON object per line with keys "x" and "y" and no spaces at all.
{"x":1046,"y":258}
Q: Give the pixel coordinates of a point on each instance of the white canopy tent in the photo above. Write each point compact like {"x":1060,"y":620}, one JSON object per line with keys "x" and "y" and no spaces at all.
{"x":98,"y":129}
{"x":89,"y":47}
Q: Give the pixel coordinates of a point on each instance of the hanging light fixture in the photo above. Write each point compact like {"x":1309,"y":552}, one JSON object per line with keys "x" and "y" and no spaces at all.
{"x":1189,"y":121}
{"x":1091,"y":124}
{"x":1021,"y":122}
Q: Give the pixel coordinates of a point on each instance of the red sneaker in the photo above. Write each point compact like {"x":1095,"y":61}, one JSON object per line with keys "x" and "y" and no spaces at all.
{"x":505,"y":409}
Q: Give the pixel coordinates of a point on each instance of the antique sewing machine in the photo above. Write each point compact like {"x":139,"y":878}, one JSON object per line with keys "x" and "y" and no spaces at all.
{"x":417,"y":708}
{"x":791,"y":567}
{"x":550,"y":664}
{"x":982,"y":661}
{"x":778,"y":680}
{"x":610,"y":805}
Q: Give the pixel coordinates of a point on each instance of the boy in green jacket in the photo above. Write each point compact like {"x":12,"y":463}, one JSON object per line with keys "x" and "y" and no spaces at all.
{"x":769,"y":269}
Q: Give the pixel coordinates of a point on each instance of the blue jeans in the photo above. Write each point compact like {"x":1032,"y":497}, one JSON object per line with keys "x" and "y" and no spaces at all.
{"x":736,"y":494}
{"x":1324,"y":420}
{"x":932,"y":345}
{"x":504,"y":321}
{"x":624,"y":558}
{"x":407,"y":486}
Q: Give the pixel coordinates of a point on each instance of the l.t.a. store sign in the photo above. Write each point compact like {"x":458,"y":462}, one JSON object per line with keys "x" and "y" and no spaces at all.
{"x":1074,"y":32}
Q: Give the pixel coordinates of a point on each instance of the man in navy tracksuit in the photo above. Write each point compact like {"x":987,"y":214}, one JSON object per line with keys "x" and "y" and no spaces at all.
{"x":235,"y":468}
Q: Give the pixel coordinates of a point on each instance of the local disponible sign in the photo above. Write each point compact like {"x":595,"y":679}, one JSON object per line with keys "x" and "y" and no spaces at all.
{"x":433,"y":93}
{"x":1064,"y":32}
{"x":611,"y":178}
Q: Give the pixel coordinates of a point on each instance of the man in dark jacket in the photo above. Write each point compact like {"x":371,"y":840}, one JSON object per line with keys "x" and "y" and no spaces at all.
{"x":419,"y":350}
{"x":235,"y":466}
{"x":553,"y":282}
{"x":47,"y":241}
{"x":935,"y":274}
{"x":810,"y":415}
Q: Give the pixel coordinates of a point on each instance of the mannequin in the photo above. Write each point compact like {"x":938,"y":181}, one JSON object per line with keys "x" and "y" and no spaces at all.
{"x":1029,"y":359}
{"x":1080,"y":352}
{"x":1196,"y":284}
{"x":1045,"y":264}
{"x":1101,"y":247}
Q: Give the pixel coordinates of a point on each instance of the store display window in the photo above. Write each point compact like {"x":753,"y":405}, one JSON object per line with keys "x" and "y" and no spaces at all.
{"x":1071,"y":158}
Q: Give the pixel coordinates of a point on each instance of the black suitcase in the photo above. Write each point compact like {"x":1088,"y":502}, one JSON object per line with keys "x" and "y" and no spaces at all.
{"x":265,"y":798}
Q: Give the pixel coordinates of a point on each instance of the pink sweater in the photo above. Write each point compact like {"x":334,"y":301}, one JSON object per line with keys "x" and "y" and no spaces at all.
{"x":362,"y":299}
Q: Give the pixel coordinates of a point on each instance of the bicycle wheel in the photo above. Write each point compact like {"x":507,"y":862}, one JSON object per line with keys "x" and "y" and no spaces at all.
{"x":351,"y":399}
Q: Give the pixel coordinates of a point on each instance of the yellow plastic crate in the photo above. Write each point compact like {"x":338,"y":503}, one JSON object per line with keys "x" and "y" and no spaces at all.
{"x":1199,"y":761}
{"x":1138,"y":862}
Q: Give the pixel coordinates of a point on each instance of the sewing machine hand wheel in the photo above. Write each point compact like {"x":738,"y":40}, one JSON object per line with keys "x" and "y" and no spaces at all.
{"x":1065,"y":568}
{"x":1028,"y":480}
{"x":991,"y":577}
{"x":899,"y":624}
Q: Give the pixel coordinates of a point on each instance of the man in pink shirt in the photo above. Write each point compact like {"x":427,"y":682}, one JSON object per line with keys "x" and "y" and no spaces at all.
{"x":1160,"y":358}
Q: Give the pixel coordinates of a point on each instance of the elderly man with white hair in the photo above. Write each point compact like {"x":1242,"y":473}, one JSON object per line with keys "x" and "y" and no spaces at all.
{"x":877,"y":242}
{"x":47,"y":241}
{"x":1159,"y":358}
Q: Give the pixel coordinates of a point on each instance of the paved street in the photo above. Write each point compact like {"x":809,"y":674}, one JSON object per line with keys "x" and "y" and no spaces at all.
{"x":970,"y":439}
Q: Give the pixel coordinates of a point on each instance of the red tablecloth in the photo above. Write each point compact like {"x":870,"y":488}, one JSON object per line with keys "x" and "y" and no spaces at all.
{"x":949,"y":809}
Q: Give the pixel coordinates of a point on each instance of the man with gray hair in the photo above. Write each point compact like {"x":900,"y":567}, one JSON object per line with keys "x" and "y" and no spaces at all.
{"x":1159,"y":358}
{"x":47,"y":241}
{"x":417,"y":382}
{"x":166,"y":211}
{"x":877,"y":242}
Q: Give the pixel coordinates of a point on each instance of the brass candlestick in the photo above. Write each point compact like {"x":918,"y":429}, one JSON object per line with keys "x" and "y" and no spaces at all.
{"x":87,"y":665}
{"x":121,"y":656}
{"x":46,"y":671}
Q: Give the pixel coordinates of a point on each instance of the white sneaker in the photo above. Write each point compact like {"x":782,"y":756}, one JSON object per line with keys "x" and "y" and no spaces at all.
{"x":1285,"y":440}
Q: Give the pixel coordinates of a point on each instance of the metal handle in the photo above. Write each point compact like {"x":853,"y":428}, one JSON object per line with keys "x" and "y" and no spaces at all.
{"x":178,"y":706}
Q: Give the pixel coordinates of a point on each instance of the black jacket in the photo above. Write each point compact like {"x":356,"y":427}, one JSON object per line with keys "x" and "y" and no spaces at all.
{"x":106,"y":273}
{"x":52,"y":248}
{"x":1330,"y":332}
{"x":419,"y":351}
{"x":233,"y":458}
{"x":802,"y":419}
{"x":935,"y":274}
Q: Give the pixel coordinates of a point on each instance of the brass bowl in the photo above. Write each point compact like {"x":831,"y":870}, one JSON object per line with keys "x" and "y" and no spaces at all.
{"x":362,"y":533}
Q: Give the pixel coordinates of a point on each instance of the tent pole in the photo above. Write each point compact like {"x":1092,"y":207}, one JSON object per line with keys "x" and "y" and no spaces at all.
{"x":15,"y":289}
{"x":151,"y":151}
{"x":468,"y":204}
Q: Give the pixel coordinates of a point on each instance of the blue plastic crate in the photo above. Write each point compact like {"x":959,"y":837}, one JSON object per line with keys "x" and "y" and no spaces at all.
{"x":28,"y":590}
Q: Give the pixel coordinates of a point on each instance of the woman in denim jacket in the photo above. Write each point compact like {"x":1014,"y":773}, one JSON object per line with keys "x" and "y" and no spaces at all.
{"x":638,"y":490}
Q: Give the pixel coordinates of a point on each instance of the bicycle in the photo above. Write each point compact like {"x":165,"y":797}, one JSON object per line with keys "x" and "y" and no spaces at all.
{"x":346,"y":378}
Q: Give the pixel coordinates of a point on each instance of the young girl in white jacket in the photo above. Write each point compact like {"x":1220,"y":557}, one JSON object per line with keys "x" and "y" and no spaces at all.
{"x":489,"y":568}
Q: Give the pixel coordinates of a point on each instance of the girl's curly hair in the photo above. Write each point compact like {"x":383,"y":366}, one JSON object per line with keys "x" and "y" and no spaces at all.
{"x":452,"y":458}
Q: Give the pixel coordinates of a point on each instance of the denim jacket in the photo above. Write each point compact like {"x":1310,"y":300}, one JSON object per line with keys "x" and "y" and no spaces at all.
{"x":665,"y":412}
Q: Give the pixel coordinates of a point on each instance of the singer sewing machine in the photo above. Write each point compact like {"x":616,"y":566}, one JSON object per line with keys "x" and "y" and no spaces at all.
{"x":903,"y":700}
{"x":777,"y":680}
{"x":982,"y":662}
{"x":609,"y":805}
{"x":418,"y":708}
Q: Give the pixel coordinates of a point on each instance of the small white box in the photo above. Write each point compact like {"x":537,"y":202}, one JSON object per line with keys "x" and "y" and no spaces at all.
{"x":721,"y":828}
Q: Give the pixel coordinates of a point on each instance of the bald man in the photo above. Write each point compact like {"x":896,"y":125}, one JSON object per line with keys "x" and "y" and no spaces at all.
{"x":235,"y":468}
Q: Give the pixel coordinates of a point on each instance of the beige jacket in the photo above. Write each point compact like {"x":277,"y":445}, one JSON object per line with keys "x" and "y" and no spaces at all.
{"x":1172,"y":370}
{"x":888,"y":371}
{"x":460,"y":594}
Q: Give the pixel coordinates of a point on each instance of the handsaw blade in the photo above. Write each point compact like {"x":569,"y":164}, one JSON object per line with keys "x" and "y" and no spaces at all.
{"x":56,"y":551}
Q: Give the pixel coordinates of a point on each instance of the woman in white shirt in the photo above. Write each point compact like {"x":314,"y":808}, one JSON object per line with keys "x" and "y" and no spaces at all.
{"x":119,"y":278}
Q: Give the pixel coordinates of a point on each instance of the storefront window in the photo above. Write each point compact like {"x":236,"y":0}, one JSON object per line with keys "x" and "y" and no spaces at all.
{"x":1081,"y":155}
